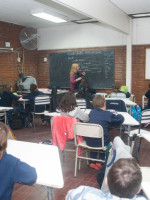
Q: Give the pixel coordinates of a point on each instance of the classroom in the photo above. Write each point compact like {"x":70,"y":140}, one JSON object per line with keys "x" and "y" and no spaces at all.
{"x":107,"y":28}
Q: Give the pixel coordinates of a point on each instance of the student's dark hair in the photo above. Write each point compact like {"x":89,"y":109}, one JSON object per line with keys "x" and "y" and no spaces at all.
{"x":82,"y":89}
{"x":124,"y":178}
{"x":3,"y":138}
{"x":117,"y":87}
{"x":33,"y":87}
{"x":68,"y":102}
{"x":98,"y":101}
{"x":7,"y":88}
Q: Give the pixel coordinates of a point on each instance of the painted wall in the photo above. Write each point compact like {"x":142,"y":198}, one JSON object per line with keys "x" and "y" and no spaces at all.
{"x":141,"y":31}
{"x":91,"y":35}
{"x":79,"y":36}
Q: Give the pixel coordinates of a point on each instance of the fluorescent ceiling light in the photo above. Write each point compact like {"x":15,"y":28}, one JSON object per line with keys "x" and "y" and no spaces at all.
{"x":46,"y":16}
{"x":140,"y":15}
{"x":83,"y":21}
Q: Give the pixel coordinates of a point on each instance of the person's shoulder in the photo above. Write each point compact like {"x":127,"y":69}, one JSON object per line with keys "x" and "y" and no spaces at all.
{"x":86,"y":193}
{"x":8,"y":158}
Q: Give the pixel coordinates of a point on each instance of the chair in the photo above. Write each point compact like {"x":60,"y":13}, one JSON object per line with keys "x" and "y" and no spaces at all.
{"x":81,"y":103}
{"x":2,"y":116}
{"x":40,"y":103}
{"x":117,"y":95}
{"x":140,"y":133}
{"x":82,"y":149}
{"x":116,"y":104}
{"x":144,"y":101}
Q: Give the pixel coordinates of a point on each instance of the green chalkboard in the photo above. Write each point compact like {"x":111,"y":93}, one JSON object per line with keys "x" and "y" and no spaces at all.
{"x":98,"y":66}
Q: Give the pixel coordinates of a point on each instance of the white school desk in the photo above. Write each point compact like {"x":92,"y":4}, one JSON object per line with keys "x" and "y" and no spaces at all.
{"x":24,"y":102}
{"x":5,"y":109}
{"x":128,"y":121}
{"x":45,"y":159}
{"x":49,"y":91}
{"x":146,"y":181}
{"x":103,"y":94}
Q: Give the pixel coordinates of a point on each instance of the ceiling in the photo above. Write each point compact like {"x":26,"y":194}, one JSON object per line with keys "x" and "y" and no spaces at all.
{"x":18,"y":11}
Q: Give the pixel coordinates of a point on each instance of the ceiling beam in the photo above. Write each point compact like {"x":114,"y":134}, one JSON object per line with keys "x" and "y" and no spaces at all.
{"x":102,"y":10}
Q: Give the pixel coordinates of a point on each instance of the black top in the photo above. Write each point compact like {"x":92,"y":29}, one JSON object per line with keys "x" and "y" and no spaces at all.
{"x":31,"y":97}
{"x":106,"y":119}
{"x":148,"y":96}
{"x":7,"y":99}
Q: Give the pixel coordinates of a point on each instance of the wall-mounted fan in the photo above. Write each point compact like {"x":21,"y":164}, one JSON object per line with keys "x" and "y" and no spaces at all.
{"x":28,"y":38}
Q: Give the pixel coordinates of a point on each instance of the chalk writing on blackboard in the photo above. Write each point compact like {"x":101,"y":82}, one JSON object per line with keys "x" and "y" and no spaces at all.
{"x":98,"y":65}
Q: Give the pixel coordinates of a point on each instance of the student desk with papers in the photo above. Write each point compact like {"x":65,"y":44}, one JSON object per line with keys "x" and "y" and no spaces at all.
{"x":44,"y":158}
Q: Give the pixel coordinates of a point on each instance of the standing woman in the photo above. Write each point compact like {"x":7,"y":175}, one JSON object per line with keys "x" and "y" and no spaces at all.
{"x":75,"y":77}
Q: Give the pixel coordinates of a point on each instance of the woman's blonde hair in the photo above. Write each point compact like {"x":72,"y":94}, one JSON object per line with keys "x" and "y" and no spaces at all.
{"x":3,"y":138}
{"x":73,"y":69}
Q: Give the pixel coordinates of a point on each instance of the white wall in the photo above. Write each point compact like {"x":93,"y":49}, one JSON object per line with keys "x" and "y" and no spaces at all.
{"x":79,"y":36}
{"x":141,"y":31}
{"x":91,"y":35}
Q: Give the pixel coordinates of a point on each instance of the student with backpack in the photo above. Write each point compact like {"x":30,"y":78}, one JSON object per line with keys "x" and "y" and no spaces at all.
{"x":7,"y":98}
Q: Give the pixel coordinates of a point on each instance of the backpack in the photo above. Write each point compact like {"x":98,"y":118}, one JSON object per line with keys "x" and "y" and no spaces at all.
{"x":136,"y":112}
{"x":16,"y":121}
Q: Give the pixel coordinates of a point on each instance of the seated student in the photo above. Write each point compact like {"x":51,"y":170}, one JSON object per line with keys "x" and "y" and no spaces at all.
{"x":83,"y":93}
{"x":68,"y":107}
{"x":35,"y":92}
{"x":147,"y":94}
{"x":7,"y":96}
{"x":124,"y":182}
{"x":89,"y":90}
{"x":12,"y":170}
{"x":117,"y":91}
{"x":106,"y":119}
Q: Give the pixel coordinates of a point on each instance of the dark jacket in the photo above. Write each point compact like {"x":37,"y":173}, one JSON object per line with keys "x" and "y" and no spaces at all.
{"x":7,"y":99}
{"x":88,"y":97}
{"x":12,"y":171}
{"x":106,"y":119}
{"x":31,"y":97}
{"x":148,"y":96}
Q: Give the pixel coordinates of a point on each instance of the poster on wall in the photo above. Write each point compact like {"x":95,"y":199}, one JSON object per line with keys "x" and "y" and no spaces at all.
{"x":147,"y":64}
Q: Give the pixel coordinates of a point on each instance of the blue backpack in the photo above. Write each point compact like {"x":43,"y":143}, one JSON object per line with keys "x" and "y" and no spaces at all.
{"x":136,"y":112}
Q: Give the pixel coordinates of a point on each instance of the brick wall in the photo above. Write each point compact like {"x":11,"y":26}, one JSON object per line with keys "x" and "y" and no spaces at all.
{"x":8,"y":61}
{"x":139,"y":84}
{"x":33,"y":62}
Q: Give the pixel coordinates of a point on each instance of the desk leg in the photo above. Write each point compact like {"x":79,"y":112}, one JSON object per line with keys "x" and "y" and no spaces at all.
{"x":5,"y":115}
{"x":50,"y":193}
{"x":128,"y":136}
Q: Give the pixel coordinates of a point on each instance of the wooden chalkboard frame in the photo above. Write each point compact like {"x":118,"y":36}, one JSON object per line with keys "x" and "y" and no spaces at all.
{"x":98,"y":65}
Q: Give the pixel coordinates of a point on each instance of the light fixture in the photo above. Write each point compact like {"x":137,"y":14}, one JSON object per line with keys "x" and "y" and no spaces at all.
{"x":140,"y":15}
{"x":44,"y":15}
{"x":84,"y":21}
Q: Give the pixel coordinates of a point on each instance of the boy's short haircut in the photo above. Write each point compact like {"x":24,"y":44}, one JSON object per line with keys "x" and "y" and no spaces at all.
{"x":98,"y":101}
{"x":124,"y":178}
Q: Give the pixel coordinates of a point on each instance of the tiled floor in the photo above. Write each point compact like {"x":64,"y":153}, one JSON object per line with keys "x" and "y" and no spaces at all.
{"x":86,"y":176}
